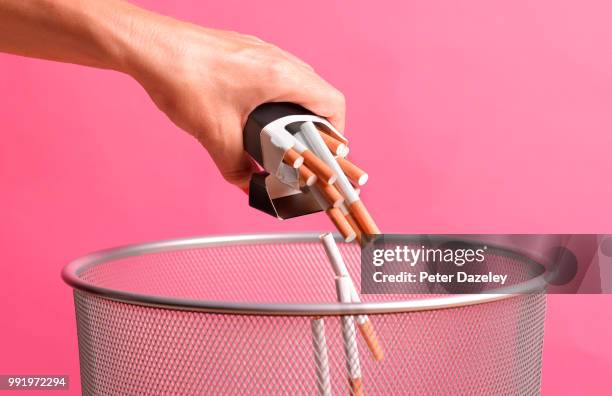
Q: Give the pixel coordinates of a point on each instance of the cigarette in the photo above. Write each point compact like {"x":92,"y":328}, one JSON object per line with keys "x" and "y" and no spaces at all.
{"x":351,"y":222}
{"x":341,"y":223}
{"x":335,"y":146}
{"x":293,"y":158}
{"x":319,"y":346}
{"x":334,"y":256}
{"x":343,"y":290}
{"x":362,"y":217}
{"x":355,"y":206}
{"x":335,"y":215}
{"x":320,"y":168}
{"x":366,"y":328}
{"x":307,"y":177}
{"x":330,"y":193}
{"x":318,"y":146}
{"x":322,"y":171}
{"x":354,"y":173}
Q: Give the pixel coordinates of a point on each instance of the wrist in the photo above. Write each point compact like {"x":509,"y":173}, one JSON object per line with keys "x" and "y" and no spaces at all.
{"x":118,"y":30}
{"x":121,"y":32}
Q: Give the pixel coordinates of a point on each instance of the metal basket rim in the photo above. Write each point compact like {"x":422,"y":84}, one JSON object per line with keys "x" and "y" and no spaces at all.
{"x":70,"y":275}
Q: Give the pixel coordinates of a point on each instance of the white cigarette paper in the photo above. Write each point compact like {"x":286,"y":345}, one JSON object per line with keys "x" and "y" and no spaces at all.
{"x":319,"y":345}
{"x":318,"y":146}
{"x":365,"y":325}
{"x":344,"y":152}
{"x":299,"y":146}
{"x":282,"y":139}
{"x":340,"y":270}
{"x":343,"y":289}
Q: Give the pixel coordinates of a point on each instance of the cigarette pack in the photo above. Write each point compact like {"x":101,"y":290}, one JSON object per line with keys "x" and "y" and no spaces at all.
{"x":271,"y":131}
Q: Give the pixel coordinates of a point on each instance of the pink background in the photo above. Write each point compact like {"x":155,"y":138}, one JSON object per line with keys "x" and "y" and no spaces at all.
{"x":479,"y":117}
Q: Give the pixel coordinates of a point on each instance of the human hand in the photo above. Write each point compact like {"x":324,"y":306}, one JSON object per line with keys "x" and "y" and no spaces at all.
{"x":208,"y":81}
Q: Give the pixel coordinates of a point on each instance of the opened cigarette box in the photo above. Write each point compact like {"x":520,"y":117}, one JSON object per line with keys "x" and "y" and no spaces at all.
{"x":272,"y":130}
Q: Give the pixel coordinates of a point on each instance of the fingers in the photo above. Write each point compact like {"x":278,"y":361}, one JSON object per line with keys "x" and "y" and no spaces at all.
{"x":317,"y":95}
{"x":326,"y":103}
{"x":237,"y":171}
{"x":286,"y":78}
{"x":297,"y":60}
{"x":234,"y":164}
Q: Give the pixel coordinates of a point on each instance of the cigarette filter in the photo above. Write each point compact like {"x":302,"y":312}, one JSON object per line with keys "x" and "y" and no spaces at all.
{"x":330,"y":193}
{"x":352,"y":171}
{"x":341,"y":224}
{"x":366,"y":328}
{"x":335,"y":146}
{"x":352,"y":222}
{"x":322,"y":171}
{"x":319,"y":346}
{"x":307,"y":177}
{"x":362,"y":218}
{"x":293,"y":158}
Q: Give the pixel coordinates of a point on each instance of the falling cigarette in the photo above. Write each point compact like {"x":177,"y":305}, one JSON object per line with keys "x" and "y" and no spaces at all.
{"x":363,"y":218}
{"x":319,"y":346}
{"x":320,"y":168}
{"x":351,"y":222}
{"x":293,"y":158}
{"x":334,"y":255}
{"x":366,"y":328}
{"x":330,"y":193}
{"x":307,"y":177}
{"x":343,"y":290}
{"x":355,"y":206}
{"x":335,"y":146}
{"x":335,"y":216}
{"x":354,"y":173}
{"x":341,"y":223}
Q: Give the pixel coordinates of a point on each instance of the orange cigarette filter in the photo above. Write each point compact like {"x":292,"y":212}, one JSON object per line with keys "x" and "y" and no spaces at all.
{"x":335,"y":146}
{"x":341,"y":224}
{"x":320,"y":168}
{"x":331,"y":193}
{"x":293,"y":158}
{"x":356,"y":386}
{"x":307,"y":177}
{"x":369,"y":335}
{"x":363,"y":218}
{"x":354,"y":226}
{"x":357,"y":175}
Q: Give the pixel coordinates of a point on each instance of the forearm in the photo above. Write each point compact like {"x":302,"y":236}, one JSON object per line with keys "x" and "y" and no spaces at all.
{"x":207,"y":81}
{"x":96,"y":33}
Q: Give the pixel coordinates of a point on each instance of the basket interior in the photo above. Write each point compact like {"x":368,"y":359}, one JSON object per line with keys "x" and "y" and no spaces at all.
{"x":266,"y":272}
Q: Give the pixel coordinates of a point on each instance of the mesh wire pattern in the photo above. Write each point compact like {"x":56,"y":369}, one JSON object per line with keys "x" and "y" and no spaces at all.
{"x":492,"y":348}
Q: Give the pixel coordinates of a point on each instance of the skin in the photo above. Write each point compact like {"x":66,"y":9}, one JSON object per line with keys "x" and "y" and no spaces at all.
{"x":206,"y":81}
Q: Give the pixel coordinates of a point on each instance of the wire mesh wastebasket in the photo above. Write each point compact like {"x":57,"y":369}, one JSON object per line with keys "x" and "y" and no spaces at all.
{"x":232,"y":316}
